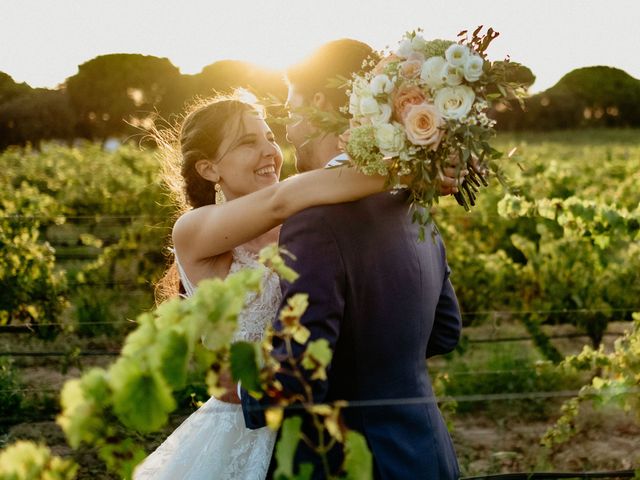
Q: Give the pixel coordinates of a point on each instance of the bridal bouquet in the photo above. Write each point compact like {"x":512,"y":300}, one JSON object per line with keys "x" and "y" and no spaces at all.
{"x":423,"y":108}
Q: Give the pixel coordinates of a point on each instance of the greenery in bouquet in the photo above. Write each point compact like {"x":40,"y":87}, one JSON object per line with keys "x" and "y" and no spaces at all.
{"x":424,"y":107}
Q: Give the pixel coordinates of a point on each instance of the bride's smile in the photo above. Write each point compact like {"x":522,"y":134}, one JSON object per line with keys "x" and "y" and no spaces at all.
{"x":269,"y":171}
{"x":249,"y":162}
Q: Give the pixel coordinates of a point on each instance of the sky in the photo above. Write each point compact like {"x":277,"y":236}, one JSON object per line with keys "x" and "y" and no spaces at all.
{"x":43,"y":41}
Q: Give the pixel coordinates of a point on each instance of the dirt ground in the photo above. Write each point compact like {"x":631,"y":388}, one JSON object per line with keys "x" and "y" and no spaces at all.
{"x":607,"y":439}
{"x":493,"y":440}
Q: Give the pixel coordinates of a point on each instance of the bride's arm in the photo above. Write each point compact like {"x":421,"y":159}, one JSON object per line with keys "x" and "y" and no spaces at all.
{"x":214,"y":229}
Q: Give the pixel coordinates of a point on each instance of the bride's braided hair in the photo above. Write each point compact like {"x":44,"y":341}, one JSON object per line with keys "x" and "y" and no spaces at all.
{"x":196,"y":137}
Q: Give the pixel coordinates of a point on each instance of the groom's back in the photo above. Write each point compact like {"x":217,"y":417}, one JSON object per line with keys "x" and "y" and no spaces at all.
{"x":393,"y":284}
{"x":387,"y":293}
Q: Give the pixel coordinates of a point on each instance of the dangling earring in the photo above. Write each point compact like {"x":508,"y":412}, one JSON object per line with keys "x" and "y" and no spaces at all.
{"x":220,"y":198}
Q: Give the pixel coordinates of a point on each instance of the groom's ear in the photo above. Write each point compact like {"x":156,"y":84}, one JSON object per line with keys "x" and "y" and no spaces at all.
{"x":320,"y":101}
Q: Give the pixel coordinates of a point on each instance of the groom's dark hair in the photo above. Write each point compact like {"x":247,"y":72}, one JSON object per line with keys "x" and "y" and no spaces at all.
{"x":339,"y":58}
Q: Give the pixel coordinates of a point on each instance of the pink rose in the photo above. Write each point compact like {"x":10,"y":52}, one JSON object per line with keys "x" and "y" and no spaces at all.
{"x":410,"y":69}
{"x":416,"y":56}
{"x":422,"y":124}
{"x":404,"y":97}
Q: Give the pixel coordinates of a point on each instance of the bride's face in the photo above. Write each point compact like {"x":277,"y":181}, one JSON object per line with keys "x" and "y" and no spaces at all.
{"x":251,"y":158}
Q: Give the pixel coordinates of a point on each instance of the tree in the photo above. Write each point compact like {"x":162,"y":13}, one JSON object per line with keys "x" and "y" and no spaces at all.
{"x":37,"y":115}
{"x":111,"y":91}
{"x":9,"y":89}
{"x":585,"y":97}
{"x":226,"y":75}
{"x":608,"y":96}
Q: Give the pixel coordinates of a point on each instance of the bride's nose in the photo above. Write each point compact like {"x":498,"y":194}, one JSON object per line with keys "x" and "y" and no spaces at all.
{"x":270,"y":149}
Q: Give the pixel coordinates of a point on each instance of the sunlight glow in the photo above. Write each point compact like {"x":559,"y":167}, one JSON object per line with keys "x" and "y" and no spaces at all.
{"x":43,"y":42}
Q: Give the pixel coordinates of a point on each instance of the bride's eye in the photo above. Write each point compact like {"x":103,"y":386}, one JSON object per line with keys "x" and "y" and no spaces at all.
{"x":248,"y":140}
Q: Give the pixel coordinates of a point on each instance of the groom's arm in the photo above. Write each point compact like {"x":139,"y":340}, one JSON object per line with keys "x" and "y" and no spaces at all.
{"x":447,"y":324}
{"x":321,"y":275}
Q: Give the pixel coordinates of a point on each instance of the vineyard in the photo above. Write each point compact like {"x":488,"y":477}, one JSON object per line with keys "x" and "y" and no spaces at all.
{"x":545,"y":377}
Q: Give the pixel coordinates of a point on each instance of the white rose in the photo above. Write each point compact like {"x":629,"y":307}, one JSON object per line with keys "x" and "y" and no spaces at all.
{"x":380,"y":84}
{"x":369,"y":106}
{"x":454,"y":103}
{"x":389,"y":139}
{"x":384,"y":114}
{"x":431,"y":74}
{"x":473,"y":68}
{"x":452,"y":75}
{"x":418,"y":43}
{"x":457,"y":55}
{"x":405,"y":48}
{"x":377,"y":113}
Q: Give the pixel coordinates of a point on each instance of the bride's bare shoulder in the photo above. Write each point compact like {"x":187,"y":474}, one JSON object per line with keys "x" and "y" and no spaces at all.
{"x":187,"y":225}
{"x":195,"y":266}
{"x":185,"y":235}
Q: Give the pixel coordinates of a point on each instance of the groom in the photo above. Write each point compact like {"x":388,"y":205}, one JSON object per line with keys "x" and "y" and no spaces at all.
{"x":381,"y":299}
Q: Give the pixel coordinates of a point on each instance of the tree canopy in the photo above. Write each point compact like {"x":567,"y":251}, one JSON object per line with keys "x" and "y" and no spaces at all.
{"x":113,"y":95}
{"x":586,"y":97}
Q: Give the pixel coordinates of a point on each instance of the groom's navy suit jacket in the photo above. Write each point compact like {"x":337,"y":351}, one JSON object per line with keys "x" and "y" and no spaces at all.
{"x":384,"y":302}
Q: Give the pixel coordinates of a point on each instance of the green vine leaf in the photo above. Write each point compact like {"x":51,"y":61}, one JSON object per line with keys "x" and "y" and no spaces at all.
{"x":30,"y":461}
{"x":320,"y":351}
{"x":358,"y":462}
{"x":244,"y":366}
{"x":286,"y":447}
{"x":141,"y":400}
{"x":272,"y":257}
{"x":171,"y":357}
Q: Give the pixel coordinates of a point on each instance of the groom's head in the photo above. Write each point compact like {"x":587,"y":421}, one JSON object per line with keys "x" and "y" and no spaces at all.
{"x":309,"y":87}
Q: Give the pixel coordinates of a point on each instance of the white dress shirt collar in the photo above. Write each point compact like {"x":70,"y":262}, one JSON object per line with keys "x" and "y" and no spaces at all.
{"x":337,"y":160}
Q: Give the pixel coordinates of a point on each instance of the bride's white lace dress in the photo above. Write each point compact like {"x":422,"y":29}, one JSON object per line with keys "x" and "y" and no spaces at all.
{"x":213,"y":443}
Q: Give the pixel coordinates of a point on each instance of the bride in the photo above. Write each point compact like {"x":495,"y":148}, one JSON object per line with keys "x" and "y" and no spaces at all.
{"x":227,"y":151}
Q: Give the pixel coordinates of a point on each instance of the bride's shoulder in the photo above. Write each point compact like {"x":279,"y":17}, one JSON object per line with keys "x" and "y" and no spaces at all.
{"x":182,"y":227}
{"x":187,"y":222}
{"x":187,"y":228}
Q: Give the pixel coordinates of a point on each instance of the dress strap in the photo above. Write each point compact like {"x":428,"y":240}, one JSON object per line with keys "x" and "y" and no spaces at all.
{"x":188,"y":286}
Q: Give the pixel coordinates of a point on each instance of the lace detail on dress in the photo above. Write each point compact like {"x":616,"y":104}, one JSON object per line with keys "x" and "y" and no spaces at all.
{"x":261,"y":307}
{"x":214,"y":443}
